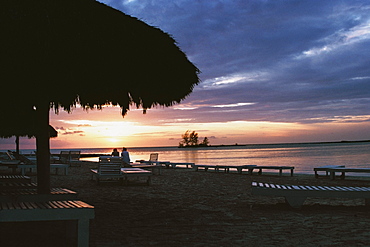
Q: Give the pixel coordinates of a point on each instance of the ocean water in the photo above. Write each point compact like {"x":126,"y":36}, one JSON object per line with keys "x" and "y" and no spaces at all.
{"x":304,"y":157}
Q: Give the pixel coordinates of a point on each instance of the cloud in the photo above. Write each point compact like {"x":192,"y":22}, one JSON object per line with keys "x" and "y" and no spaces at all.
{"x":294,"y":60}
{"x":67,"y":132}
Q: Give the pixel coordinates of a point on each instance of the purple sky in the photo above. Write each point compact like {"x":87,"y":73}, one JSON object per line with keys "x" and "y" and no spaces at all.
{"x":301,"y":64}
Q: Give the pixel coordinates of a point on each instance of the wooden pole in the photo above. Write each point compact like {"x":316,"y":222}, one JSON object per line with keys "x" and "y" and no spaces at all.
{"x":43,"y":149}
{"x":17,"y":144}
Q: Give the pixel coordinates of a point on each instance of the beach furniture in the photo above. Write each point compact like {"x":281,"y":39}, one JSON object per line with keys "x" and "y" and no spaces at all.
{"x":280,"y":168}
{"x":11,"y":186}
{"x":153,"y":157}
{"x":9,"y":164}
{"x":136,"y":173}
{"x":64,"y":157}
{"x":74,"y":158}
{"x":55,"y":167}
{"x":325,"y":169}
{"x":31,"y":195}
{"x":8,"y":161}
{"x":205,"y":167}
{"x":225,"y":168}
{"x":67,"y":210}
{"x":107,"y":172}
{"x":71,"y":158}
{"x":14,"y":179}
{"x":174,"y":164}
{"x":110,"y":159}
{"x":110,"y":172}
{"x":295,"y":195}
{"x":344,"y":170}
{"x":152,"y":164}
{"x":27,"y":164}
{"x":155,"y":166}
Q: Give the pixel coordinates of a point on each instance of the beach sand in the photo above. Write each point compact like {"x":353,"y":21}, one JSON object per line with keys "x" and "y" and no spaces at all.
{"x":187,"y":208}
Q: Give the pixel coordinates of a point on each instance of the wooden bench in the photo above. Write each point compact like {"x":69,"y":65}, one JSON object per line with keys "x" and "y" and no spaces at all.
{"x":9,"y":186}
{"x":325,"y":169}
{"x":226,"y":168}
{"x":174,"y":164}
{"x":26,"y":195}
{"x":14,"y":179}
{"x":343,"y":170}
{"x":295,"y":195}
{"x":51,"y":211}
{"x":239,"y":169}
{"x":206,"y":167}
{"x":280,"y":168}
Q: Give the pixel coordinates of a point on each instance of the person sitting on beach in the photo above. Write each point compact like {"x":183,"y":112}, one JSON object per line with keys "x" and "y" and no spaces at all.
{"x":115,"y":152}
{"x":125,"y":157}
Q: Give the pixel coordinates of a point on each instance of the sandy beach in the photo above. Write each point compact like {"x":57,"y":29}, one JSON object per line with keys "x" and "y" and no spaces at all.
{"x":186,"y":208}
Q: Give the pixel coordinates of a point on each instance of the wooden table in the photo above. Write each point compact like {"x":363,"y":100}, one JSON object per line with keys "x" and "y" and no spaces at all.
{"x":343,"y":170}
{"x":325,"y":169}
{"x":280,"y":168}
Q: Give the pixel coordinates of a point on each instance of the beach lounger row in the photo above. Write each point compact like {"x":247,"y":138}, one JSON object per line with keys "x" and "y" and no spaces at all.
{"x":249,"y":168}
{"x":295,"y":195}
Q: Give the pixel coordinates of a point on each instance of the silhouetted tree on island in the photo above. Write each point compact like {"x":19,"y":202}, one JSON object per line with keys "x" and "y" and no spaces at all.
{"x":59,"y":54}
{"x":190,"y":139}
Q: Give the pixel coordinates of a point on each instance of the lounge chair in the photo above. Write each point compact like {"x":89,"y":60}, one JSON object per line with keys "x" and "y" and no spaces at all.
{"x":295,"y":195}
{"x":26,"y":163}
{"x":107,"y":172}
{"x":74,"y":158}
{"x":8,"y":161}
{"x":152,"y":158}
{"x":64,"y":157}
{"x":151,"y":164}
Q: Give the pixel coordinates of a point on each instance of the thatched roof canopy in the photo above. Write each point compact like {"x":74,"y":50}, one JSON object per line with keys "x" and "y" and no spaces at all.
{"x":59,"y":53}
{"x":82,"y":51}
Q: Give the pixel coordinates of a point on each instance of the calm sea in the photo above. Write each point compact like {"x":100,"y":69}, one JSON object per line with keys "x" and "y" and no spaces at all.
{"x":304,"y":157}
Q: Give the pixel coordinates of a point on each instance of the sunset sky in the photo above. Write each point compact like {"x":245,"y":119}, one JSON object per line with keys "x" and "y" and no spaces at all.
{"x":272,"y":71}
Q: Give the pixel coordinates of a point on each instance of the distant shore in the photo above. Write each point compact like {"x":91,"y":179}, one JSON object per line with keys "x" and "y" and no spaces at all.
{"x":270,"y":144}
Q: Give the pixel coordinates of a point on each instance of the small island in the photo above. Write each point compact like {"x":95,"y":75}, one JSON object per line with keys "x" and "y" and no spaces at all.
{"x":190,"y":140}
